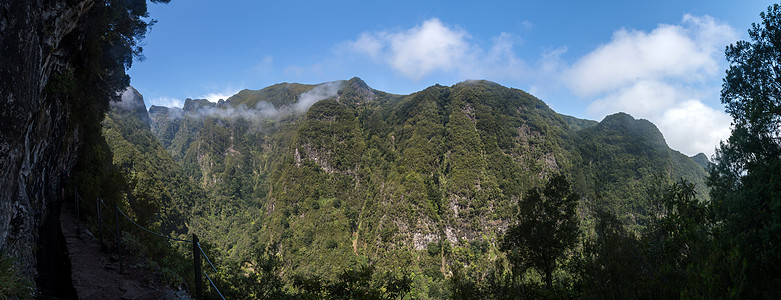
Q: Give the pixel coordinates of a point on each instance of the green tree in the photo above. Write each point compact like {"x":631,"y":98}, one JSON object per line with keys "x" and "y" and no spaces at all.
{"x":547,"y":227}
{"x":360,"y":282}
{"x":461,"y":286}
{"x":670,"y":259}
{"x":262,"y":281}
{"x":676,"y":240}
{"x":612,"y":260}
{"x":745,"y":179}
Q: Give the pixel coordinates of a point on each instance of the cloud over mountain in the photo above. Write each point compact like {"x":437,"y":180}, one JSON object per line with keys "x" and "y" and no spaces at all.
{"x":434,"y":46}
{"x":209,"y":107}
{"x":320,"y":92}
{"x":682,"y":52}
{"x":662,"y":75}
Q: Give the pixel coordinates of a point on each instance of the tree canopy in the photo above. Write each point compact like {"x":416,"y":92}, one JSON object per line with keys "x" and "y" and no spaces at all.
{"x":745,"y":179}
{"x":546,"y":227}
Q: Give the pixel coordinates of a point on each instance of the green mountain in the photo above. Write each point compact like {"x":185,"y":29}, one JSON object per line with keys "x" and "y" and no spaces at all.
{"x":620,"y":158}
{"x":339,"y":173}
{"x":157,"y":192}
{"x":701,"y":159}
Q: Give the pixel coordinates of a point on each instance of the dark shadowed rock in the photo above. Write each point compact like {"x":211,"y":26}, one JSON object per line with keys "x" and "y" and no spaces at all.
{"x":36,"y":140}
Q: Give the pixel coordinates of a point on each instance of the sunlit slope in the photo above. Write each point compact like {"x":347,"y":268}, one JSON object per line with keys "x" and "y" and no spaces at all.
{"x":362,"y":173}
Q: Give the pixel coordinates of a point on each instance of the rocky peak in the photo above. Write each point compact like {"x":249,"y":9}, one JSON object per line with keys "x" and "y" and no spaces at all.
{"x":641,"y":128}
{"x":702,"y":160}
{"x":193,"y":105}
{"x":355,"y":92}
{"x":158,"y":110}
{"x":132,"y":103}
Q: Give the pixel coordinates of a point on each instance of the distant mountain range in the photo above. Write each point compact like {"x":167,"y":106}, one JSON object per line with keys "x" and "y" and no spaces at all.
{"x":337,"y":172}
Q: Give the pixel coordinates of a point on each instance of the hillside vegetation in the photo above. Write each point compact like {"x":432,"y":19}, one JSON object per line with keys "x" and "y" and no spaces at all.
{"x":337,"y":190}
{"x":425,"y":183}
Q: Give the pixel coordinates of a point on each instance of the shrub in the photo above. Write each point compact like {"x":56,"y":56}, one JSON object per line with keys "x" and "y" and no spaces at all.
{"x":13,"y":284}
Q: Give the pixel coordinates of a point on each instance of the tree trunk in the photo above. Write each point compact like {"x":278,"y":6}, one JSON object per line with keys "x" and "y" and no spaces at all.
{"x":549,"y":276}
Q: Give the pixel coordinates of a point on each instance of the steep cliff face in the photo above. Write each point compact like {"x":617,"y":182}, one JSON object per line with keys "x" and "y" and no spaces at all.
{"x":61,"y":62}
{"x":158,"y":193}
{"x":36,"y":139}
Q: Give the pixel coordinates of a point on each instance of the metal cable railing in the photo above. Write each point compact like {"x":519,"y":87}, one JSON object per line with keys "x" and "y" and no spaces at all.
{"x":214,"y":286}
{"x":198,"y":245}
{"x":207,"y":258}
{"x":213,"y":268}
{"x":117,"y":211}
{"x":152,"y":232}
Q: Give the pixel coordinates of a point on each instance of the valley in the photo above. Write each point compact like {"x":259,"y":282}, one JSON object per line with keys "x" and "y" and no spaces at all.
{"x":420,"y":183}
{"x":396,"y":187}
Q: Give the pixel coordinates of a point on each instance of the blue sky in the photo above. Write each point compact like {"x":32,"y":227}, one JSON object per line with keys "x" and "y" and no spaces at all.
{"x":658,"y":60}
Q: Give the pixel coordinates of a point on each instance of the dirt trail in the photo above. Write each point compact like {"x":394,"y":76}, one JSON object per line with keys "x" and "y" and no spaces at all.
{"x":95,"y":274}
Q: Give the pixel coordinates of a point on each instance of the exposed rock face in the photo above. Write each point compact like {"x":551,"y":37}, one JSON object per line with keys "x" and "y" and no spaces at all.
{"x":193,"y":105}
{"x":133,"y":102}
{"x":163,"y":121}
{"x":35,"y":139}
{"x":355,"y":92}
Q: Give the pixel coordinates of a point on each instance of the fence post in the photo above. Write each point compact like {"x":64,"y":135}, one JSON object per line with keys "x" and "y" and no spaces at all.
{"x":197,"y":266}
{"x":100,"y":225}
{"x":119,"y":239}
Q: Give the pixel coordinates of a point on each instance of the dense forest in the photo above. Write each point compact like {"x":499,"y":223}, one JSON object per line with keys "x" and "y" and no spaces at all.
{"x":470,"y":191}
{"x":390,"y":194}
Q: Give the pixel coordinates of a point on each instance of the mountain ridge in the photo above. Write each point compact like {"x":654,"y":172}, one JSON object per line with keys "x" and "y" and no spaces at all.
{"x":360,"y":170}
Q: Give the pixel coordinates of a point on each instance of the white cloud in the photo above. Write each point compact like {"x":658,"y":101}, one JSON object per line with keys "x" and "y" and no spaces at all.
{"x":167,"y":102}
{"x":694,"y":127}
{"x":177,"y":102}
{"x":551,"y":62}
{"x":262,"y":110}
{"x":642,"y":98}
{"x":214,"y":97}
{"x":320,"y":92}
{"x":368,"y":44}
{"x":428,"y":47}
{"x":434,"y":46}
{"x":683,"y":52}
{"x":663,"y":76}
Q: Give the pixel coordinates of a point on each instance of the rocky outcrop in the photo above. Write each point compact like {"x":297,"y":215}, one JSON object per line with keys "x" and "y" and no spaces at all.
{"x":36,"y":140}
{"x":133,"y":102}
{"x":193,"y":105}
{"x":356,"y":92}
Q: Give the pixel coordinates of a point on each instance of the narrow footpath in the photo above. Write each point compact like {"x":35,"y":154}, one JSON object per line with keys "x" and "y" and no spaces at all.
{"x":95,"y":274}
